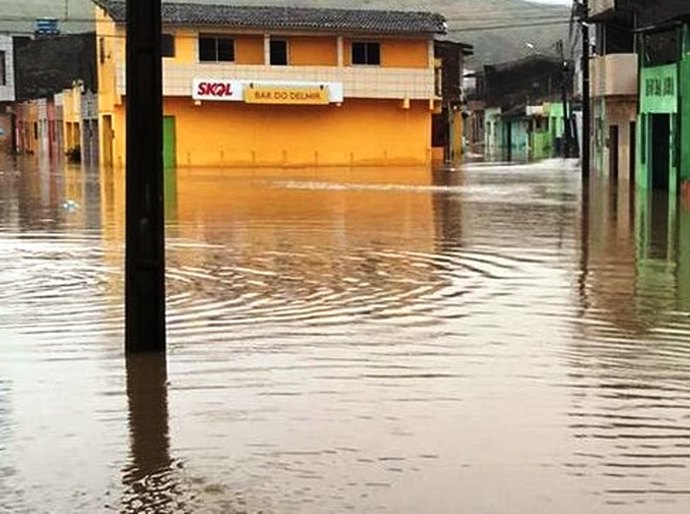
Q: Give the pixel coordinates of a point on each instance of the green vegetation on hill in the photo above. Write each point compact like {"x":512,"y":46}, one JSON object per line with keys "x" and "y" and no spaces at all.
{"x":468,"y":20}
{"x":522,"y":28}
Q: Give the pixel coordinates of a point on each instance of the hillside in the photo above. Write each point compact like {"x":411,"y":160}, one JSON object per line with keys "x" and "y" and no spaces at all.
{"x":467,"y":20}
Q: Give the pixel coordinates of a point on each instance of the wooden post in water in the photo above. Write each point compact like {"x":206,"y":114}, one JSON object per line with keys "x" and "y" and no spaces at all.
{"x":145,"y":244}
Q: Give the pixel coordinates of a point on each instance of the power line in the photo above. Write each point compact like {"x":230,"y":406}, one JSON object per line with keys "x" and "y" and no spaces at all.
{"x":498,"y":25}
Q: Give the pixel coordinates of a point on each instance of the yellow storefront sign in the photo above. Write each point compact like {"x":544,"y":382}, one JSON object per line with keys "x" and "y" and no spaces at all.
{"x":312,"y":95}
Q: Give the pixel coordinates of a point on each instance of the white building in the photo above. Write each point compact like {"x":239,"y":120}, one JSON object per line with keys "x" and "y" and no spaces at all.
{"x":6,"y":69}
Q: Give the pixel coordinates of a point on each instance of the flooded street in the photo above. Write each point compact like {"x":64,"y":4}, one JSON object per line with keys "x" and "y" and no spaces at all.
{"x":492,"y":339}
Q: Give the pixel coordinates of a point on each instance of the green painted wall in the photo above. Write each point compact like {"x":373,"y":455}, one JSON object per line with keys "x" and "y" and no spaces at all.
{"x":554,"y":111}
{"x":684,"y":93}
{"x":169,"y":170}
{"x":515,"y":138}
{"x":541,"y":145}
{"x":684,"y":258}
{"x":169,"y":147}
{"x":659,"y":87}
{"x":657,"y":253}
{"x":556,"y":124}
{"x":525,"y":143}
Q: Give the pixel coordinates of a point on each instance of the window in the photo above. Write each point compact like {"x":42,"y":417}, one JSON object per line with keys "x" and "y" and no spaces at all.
{"x":366,"y":53}
{"x":279,"y":52}
{"x":661,"y":48}
{"x":3,"y":73}
{"x":167,"y":45}
{"x":216,"y":49}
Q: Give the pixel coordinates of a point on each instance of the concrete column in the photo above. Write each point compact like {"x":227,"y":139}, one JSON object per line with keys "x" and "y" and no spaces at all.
{"x":432,"y":55}
{"x":267,"y":49}
{"x":341,"y":52}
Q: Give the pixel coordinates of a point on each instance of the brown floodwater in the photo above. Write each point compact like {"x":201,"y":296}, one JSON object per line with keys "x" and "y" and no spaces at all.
{"x":492,"y":339}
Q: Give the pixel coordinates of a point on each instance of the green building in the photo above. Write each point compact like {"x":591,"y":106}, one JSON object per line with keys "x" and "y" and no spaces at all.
{"x":662,"y":155}
{"x":556,"y":126}
{"x":541,"y":143}
{"x":515,"y":134}
{"x":524,"y":134}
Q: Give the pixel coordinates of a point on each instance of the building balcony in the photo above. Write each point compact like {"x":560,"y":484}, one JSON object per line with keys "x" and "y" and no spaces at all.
{"x":358,"y":81}
{"x":614,"y":75}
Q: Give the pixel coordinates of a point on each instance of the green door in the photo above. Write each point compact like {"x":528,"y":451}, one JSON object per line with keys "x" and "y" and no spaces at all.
{"x":169,"y":160}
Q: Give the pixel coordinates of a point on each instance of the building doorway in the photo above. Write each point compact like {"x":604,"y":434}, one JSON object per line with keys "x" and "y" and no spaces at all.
{"x":632,"y":155}
{"x":108,"y":140}
{"x":660,"y":151}
{"x":613,"y":153}
{"x":659,"y":226}
{"x":169,"y":143}
{"x":508,"y":141}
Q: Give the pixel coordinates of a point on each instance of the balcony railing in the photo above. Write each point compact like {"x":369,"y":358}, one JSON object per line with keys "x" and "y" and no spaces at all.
{"x":358,"y":82}
{"x":614,"y":75}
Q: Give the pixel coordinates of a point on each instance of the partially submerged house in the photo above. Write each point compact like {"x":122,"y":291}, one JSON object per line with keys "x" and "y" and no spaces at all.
{"x":54,"y":73}
{"x":448,"y":121}
{"x":520,"y":99}
{"x":281,"y":86}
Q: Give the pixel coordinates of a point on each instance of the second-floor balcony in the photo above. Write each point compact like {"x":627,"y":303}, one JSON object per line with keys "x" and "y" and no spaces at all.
{"x":614,"y":75}
{"x":358,"y":81}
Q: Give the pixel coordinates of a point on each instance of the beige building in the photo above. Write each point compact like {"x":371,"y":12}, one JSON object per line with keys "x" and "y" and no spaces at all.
{"x":614,"y":85}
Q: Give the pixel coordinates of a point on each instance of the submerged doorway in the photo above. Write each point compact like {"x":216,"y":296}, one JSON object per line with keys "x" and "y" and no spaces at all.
{"x":108,"y":140}
{"x":508,"y":141}
{"x":632,"y":154}
{"x":613,"y":153}
{"x":660,"y":151}
{"x":169,"y":143}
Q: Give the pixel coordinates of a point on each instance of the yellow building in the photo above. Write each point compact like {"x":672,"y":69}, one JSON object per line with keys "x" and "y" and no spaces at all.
{"x":280,"y":86}
{"x":71,"y":117}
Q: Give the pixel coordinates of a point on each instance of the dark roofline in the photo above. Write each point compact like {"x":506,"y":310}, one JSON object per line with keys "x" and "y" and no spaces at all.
{"x":672,"y":23}
{"x":467,"y":50}
{"x":501,"y":66}
{"x":290,"y":18}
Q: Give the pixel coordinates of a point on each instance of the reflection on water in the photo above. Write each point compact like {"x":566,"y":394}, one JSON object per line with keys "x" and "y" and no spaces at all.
{"x":631,"y":364}
{"x":495,"y":339}
{"x":148,"y":475}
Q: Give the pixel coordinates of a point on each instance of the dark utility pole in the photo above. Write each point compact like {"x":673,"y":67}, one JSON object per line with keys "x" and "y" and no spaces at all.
{"x":586,"y":107}
{"x":566,"y":80}
{"x":145,"y":252}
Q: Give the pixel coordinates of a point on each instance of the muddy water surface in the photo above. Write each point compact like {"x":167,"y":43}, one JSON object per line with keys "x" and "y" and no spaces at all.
{"x":491,"y":339}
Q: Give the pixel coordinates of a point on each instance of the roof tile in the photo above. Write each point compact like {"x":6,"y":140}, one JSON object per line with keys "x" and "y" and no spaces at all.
{"x":287,"y":18}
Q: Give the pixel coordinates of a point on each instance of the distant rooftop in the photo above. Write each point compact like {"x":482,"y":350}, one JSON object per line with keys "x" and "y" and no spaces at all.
{"x":290,"y":18}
